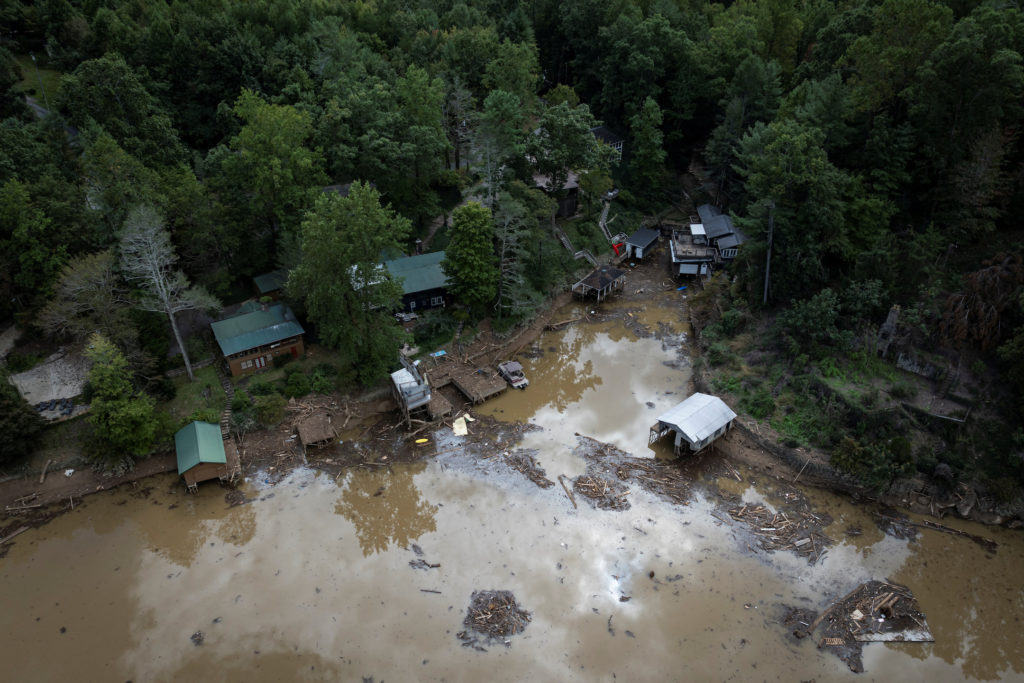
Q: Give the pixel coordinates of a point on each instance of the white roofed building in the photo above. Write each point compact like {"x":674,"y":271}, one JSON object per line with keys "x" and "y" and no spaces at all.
{"x":697,"y":422}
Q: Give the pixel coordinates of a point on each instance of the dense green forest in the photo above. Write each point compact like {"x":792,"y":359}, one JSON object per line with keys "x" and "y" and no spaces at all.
{"x":880,"y":142}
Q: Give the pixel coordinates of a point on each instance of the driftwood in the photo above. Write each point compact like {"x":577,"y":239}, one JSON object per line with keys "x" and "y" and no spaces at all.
{"x":42,"y":477}
{"x":555,"y":326}
{"x":572,"y":498}
{"x":12,"y":535}
{"x":986,"y":543}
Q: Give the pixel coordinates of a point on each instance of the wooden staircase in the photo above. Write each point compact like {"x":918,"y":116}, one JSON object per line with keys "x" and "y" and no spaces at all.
{"x":229,"y":393}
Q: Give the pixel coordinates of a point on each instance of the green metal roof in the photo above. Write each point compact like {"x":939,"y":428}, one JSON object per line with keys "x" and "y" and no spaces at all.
{"x":272,"y":281}
{"x":419,"y":273}
{"x":256,"y":328}
{"x":198,"y":442}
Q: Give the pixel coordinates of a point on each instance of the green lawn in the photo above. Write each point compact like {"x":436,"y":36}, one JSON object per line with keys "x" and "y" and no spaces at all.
{"x":30,"y":80}
{"x":191,"y":399}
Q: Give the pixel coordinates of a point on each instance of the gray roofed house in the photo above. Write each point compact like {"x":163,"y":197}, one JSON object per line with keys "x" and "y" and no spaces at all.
{"x":697,"y":422}
{"x":640,"y":242}
{"x":720,"y":229}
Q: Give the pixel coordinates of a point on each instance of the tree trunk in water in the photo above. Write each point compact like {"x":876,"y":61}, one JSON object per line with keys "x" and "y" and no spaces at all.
{"x":181,"y":345}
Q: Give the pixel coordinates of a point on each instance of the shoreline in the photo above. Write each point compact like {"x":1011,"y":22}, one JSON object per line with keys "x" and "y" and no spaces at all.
{"x":744,"y":443}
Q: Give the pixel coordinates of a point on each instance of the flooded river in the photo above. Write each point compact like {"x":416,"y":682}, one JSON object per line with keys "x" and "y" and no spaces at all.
{"x":311,"y":579}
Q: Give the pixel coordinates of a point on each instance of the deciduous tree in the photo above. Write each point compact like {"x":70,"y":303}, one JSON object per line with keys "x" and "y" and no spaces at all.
{"x":148,"y":258}
{"x":121,"y":416}
{"x":347,"y":292}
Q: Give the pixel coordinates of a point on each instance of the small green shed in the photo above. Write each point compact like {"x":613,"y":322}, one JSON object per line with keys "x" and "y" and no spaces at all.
{"x":201,"y":455}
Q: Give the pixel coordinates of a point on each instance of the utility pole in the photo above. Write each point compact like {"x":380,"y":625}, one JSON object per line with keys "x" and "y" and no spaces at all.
{"x":768,"y":260}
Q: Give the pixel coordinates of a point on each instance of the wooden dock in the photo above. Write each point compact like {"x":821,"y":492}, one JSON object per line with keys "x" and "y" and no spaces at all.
{"x":475,"y":383}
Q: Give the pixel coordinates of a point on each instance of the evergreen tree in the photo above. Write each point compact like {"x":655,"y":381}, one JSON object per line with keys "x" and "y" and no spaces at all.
{"x":469,"y":260}
{"x":647,"y":165}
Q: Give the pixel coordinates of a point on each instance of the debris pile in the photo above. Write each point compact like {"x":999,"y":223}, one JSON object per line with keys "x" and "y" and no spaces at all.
{"x":606,"y":494}
{"x":664,"y":480}
{"x":609,"y":469}
{"x":876,"y":611}
{"x":798,"y":530}
{"x":492,"y":616}
{"x":522,"y":461}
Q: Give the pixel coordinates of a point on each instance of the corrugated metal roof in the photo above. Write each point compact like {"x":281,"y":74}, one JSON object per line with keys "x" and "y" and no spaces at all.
{"x":699,"y":416}
{"x":272,"y":281}
{"x":256,"y":328}
{"x":707,"y":212}
{"x":643,"y":237}
{"x":419,"y":273}
{"x":198,"y":442}
{"x":730,"y":241}
{"x":719,"y":226}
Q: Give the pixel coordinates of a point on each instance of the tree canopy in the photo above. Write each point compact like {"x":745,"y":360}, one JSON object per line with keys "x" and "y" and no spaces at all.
{"x":346,"y":291}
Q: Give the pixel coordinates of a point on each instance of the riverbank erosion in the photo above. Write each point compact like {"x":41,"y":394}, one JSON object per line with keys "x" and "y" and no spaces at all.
{"x":650,"y":306}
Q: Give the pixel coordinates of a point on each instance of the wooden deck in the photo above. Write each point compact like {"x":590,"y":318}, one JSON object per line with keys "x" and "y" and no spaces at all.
{"x":439,"y":406}
{"x":477,"y":384}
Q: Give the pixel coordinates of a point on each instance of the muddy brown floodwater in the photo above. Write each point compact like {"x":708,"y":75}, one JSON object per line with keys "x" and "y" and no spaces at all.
{"x":370,"y":574}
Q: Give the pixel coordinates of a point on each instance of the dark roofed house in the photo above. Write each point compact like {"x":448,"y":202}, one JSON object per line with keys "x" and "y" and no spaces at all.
{"x":641,"y":242}
{"x":424,"y":283}
{"x":605,"y":135}
{"x":270,"y":284}
{"x":201,"y":453}
{"x":602,"y":282}
{"x":720,"y":230}
{"x":251,"y":339}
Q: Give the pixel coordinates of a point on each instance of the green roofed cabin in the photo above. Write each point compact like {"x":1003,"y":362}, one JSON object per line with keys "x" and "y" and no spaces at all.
{"x":202,"y":455}
{"x":270,"y":284}
{"x":252,"y":337}
{"x":423,"y":282}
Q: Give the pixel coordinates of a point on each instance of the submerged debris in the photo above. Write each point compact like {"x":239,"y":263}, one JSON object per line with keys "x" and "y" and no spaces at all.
{"x":876,"y":611}
{"x":492,"y":615}
{"x":894,"y":523}
{"x":423,"y":564}
{"x":609,"y":469}
{"x":522,"y":461}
